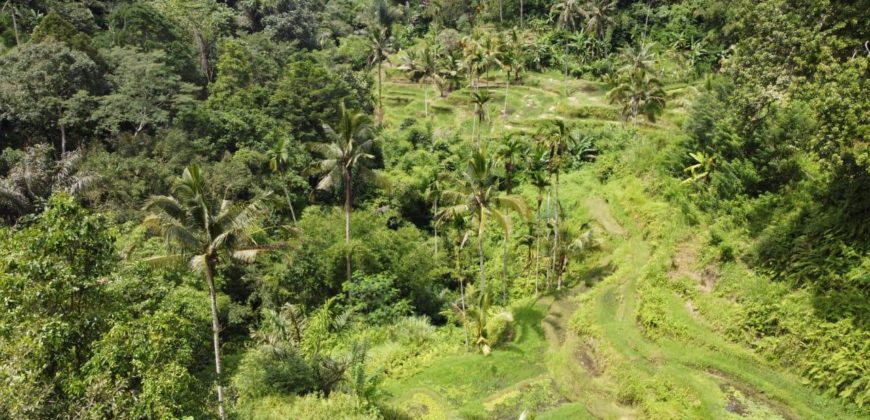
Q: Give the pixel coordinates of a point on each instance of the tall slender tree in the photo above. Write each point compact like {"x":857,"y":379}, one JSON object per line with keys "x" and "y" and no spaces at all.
{"x":203,"y":231}
{"x":479,"y":99}
{"x":478,"y":196}
{"x":568,"y":13}
{"x":342,"y":159}
{"x":379,"y":47}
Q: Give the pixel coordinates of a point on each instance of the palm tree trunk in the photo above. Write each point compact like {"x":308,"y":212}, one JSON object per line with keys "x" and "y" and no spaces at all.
{"x":62,"y":139}
{"x":202,"y":47}
{"x":289,"y":203}
{"x":462,"y":293}
{"x":538,"y":243}
{"x":504,"y":269}
{"x":521,"y":14}
{"x":435,"y":226}
{"x":380,"y":88}
{"x":565,"y":78}
{"x":549,"y":265}
{"x":480,"y":256}
{"x":473,"y":130}
{"x":556,"y":229}
{"x":15,"y":26}
{"x":347,"y":196}
{"x":215,"y":329}
{"x":506,"y":91}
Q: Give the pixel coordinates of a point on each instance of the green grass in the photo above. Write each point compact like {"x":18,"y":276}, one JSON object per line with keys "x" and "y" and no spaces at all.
{"x":461,"y":385}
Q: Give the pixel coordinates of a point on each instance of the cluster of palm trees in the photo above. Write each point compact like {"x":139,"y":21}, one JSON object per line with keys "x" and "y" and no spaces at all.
{"x":484,"y":193}
{"x":474,"y":56}
{"x":203,"y":230}
{"x":636,"y":87}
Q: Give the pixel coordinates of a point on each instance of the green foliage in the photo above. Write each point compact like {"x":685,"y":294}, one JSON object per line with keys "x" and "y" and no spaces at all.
{"x":45,"y":87}
{"x":53,"y":279}
{"x":375,"y":299}
{"x":271,"y":371}
{"x":311,"y":406}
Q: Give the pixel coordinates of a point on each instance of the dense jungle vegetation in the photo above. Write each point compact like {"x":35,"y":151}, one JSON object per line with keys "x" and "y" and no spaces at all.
{"x":354,"y":209}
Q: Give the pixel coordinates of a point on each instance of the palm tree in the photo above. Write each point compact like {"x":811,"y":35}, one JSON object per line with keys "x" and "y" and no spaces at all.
{"x":434,"y":188}
{"x":567,"y":12}
{"x":538,"y":163}
{"x":573,"y":244}
{"x":472,"y":56}
{"x":450,"y":72}
{"x":557,"y":139}
{"x":479,"y":197}
{"x":459,"y":224}
{"x":348,"y":150}
{"x":280,"y":163}
{"x":11,"y":6}
{"x":422,"y":66}
{"x":37,"y":175}
{"x":379,"y":46}
{"x":479,"y":99}
{"x":204,"y":231}
{"x":490,"y":53}
{"x":509,"y":152}
{"x":639,"y":94}
{"x":598,"y":15}
{"x":384,"y":14}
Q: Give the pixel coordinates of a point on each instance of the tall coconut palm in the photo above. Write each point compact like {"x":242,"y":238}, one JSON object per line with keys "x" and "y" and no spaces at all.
{"x":472,"y":56}
{"x":568,"y":13}
{"x":479,"y":99}
{"x":344,"y":157}
{"x":639,"y":94}
{"x":490,"y":53}
{"x":434,"y":188}
{"x":422,"y":66}
{"x":510,"y":152}
{"x":538,"y":176}
{"x":280,"y":163}
{"x":598,"y":15}
{"x":379,"y":47}
{"x":37,"y":175}
{"x":12,"y":12}
{"x":203,"y":231}
{"x":558,"y":137}
{"x":384,"y":14}
{"x":478,"y":196}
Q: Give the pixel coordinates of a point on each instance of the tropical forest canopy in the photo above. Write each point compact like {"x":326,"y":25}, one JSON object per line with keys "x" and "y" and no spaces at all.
{"x":392,"y":209}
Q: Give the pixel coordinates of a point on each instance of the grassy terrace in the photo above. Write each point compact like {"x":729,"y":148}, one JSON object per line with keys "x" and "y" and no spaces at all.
{"x":585,"y":353}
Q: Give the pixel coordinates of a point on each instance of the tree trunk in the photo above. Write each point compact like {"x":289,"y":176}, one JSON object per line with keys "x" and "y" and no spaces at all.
{"x":549,"y":265}
{"x":480,"y":256}
{"x":462,"y":293}
{"x":289,"y":204}
{"x":347,"y":195}
{"x":215,"y":329}
{"x":556,"y":229}
{"x":506,"y":92}
{"x":435,"y":226}
{"x":426,"y":99}
{"x":202,"y":48}
{"x":538,"y":243}
{"x":504,"y":271}
{"x":380,"y":88}
{"x":62,"y":139}
{"x":15,"y":26}
{"x":521,"y":14}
